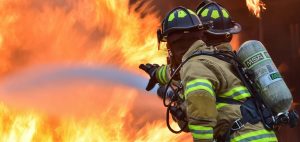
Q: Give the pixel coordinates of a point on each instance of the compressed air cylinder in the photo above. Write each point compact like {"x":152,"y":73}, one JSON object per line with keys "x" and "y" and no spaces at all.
{"x":273,"y":90}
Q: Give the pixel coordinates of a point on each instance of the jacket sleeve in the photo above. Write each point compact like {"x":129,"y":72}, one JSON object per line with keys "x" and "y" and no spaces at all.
{"x":200,"y":83}
{"x":163,"y":74}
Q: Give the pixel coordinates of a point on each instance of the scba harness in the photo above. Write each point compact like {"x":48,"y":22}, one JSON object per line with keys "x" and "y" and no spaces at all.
{"x":253,"y":110}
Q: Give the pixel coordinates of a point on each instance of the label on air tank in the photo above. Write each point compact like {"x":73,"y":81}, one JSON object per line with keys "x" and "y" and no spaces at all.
{"x":269,"y":78}
{"x":256,"y":59}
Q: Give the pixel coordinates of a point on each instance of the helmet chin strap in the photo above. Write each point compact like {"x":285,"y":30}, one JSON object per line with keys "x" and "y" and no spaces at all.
{"x":159,"y":37}
{"x":171,"y":58}
{"x":171,"y":61}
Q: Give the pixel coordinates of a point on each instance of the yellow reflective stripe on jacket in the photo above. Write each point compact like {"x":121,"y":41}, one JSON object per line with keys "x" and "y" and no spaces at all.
{"x":272,"y":139}
{"x":164,"y":76}
{"x":237,"y":93}
{"x":256,"y":136}
{"x":199,"y":84}
{"x":161,"y":75}
{"x":220,"y":105}
{"x":201,"y":132}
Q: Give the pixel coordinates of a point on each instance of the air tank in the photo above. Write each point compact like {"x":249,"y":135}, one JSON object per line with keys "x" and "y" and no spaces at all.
{"x":273,"y":90}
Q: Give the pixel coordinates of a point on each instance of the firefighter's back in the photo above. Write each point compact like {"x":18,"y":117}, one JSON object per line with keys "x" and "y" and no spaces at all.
{"x":230,"y":86}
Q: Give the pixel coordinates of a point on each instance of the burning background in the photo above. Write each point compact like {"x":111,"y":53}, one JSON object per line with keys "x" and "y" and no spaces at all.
{"x":69,"y":68}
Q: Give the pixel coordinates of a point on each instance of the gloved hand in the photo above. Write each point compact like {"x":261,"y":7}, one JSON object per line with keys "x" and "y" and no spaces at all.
{"x":150,"y":69}
{"x":161,"y":90}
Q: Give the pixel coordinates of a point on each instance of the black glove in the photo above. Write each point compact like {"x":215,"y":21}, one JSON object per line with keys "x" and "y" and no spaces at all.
{"x":150,"y":69}
{"x":161,"y":90}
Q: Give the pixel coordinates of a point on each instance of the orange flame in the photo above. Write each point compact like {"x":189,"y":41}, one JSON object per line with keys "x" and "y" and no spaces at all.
{"x":85,"y":31}
{"x":87,"y":117}
{"x":256,"y":6}
{"x":89,"y":32}
{"x":235,"y":42}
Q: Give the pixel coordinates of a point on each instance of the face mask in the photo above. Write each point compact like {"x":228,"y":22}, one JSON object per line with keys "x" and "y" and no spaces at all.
{"x":179,"y":43}
{"x":179,"y":47}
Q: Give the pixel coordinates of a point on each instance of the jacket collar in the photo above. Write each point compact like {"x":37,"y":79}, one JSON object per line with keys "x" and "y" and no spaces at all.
{"x":200,"y":45}
{"x":224,"y":47}
{"x":196,"y":46}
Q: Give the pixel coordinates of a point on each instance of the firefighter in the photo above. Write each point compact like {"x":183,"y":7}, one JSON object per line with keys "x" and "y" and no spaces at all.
{"x":219,"y":37}
{"x":223,"y":27}
{"x":204,"y":78}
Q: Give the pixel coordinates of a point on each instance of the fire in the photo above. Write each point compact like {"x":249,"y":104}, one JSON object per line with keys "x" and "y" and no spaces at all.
{"x":89,"y":117}
{"x":89,"y":32}
{"x":85,"y":31}
{"x":235,"y":42}
{"x":256,"y":6}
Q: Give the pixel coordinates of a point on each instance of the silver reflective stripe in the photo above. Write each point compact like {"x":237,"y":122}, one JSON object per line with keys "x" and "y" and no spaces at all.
{"x":237,"y":93}
{"x":257,"y":136}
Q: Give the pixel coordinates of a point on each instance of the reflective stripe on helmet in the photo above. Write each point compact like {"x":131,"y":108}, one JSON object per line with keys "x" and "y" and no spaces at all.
{"x":179,"y":19}
{"x":205,"y":12}
{"x":171,"y":17}
{"x":181,"y":14}
{"x":215,"y":14}
{"x":225,"y":13}
{"x":209,"y":11}
{"x":198,"y":12}
{"x":192,"y":12}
